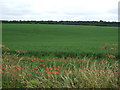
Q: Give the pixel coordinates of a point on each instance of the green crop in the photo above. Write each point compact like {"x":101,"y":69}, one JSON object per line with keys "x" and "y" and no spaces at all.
{"x":59,"y":40}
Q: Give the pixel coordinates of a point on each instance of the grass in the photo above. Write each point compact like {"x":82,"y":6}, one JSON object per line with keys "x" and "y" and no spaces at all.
{"x":59,"y":56}
{"x":59,"y":40}
{"x":53,"y":72}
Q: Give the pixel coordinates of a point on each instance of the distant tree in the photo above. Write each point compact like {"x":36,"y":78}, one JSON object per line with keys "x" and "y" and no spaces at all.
{"x":101,"y":20}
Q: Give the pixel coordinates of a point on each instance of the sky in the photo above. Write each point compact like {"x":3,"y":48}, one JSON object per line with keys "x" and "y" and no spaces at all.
{"x":59,"y":10}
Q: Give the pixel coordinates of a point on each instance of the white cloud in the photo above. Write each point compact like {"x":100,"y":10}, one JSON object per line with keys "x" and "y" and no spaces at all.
{"x":59,"y":9}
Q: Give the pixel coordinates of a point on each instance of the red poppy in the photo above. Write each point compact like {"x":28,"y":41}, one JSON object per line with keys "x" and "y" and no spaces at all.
{"x":58,"y":66}
{"x":32,"y":60}
{"x":41,"y":59}
{"x":51,"y":72}
{"x":26,"y":61}
{"x":34,"y":67}
{"x":50,"y":68}
{"x":87,"y":68}
{"x":90,"y":57}
{"x":18,"y":68}
{"x":81,"y":70}
{"x":94,"y":62}
{"x":56,"y":72}
{"x":74,"y":61}
{"x":3,"y":67}
{"x":81,"y":66}
{"x":70,"y":71}
{"x":56,"y":57}
{"x":69,"y":58}
{"x":65,"y":71}
{"x":57,"y":69}
{"x":37,"y":71}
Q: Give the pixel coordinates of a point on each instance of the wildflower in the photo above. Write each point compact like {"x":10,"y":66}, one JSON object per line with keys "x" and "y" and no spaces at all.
{"x":50,"y":68}
{"x":81,"y":70}
{"x":70,"y":71}
{"x":41,"y":59}
{"x":3,"y":67}
{"x":3,"y":64}
{"x":45,"y":71}
{"x":18,"y":68}
{"x":1,"y":59}
{"x":43,"y":65}
{"x":56,"y":69}
{"x":90,"y":57}
{"x":35,"y":58}
{"x":34,"y":67}
{"x":56,"y":57}
{"x":51,"y":72}
{"x":60,"y":60}
{"x":69,"y":58}
{"x":81,"y":66}
{"x":88,"y":62}
{"x":74,"y":61}
{"x":58,"y":66}
{"x":54,"y":65}
{"x":65,"y":71}
{"x":87,"y":68}
{"x":32,"y":60}
{"x":56,"y":72}
{"x":37,"y":72}
{"x":73,"y":85}
{"x":94,"y":62}
{"x":46,"y":59}
{"x":104,"y":60}
{"x":26,"y":61}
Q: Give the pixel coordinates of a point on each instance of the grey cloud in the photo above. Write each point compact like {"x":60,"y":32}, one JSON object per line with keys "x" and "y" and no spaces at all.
{"x":113,"y":11}
{"x":19,"y":10}
{"x":16,"y":10}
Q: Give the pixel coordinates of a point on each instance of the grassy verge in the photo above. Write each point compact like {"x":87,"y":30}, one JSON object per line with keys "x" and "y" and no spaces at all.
{"x":20,"y":71}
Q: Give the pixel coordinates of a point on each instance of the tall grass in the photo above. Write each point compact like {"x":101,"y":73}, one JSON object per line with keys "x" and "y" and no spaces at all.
{"x":33,"y":72}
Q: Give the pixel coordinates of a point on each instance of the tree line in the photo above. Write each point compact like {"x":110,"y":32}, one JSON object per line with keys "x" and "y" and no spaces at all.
{"x":95,"y":23}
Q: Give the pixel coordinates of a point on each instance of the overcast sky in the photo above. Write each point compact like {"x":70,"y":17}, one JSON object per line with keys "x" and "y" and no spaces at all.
{"x":72,"y":10}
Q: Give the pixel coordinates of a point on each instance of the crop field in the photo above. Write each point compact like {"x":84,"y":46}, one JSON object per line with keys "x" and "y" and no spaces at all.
{"x":59,"y":40}
{"x":59,"y":56}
